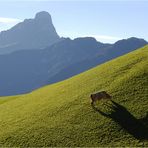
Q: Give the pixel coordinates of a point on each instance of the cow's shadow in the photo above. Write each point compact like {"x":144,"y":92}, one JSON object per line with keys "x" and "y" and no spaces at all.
{"x":136,"y":127}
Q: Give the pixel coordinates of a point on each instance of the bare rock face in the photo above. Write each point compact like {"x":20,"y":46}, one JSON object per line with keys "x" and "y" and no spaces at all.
{"x":34,"y":33}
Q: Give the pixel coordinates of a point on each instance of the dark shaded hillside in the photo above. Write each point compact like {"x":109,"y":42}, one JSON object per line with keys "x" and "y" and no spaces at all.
{"x":112,"y":51}
{"x":124,"y":46}
{"x":23,"y":71}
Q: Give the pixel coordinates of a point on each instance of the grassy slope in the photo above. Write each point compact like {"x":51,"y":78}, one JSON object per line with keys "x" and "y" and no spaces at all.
{"x":61,"y":114}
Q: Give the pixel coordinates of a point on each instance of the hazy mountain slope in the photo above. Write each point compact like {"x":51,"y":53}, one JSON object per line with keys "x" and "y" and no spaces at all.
{"x":21,"y":71}
{"x":110,"y":52}
{"x":61,"y":114}
{"x":124,"y":46}
{"x":25,"y":70}
{"x":30,"y":34}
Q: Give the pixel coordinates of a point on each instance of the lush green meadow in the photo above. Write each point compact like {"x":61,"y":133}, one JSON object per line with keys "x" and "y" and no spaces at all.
{"x":61,"y":114}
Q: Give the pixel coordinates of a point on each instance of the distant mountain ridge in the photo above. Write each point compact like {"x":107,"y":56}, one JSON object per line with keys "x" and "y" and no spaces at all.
{"x":30,"y":34}
{"x":108,"y":52}
{"x":25,"y":70}
{"x":32,"y":55}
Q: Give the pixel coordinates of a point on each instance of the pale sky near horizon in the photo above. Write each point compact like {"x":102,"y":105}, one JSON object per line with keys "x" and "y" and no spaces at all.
{"x":107,"y":21}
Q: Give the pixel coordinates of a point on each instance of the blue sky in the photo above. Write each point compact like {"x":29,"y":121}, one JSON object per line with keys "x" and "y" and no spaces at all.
{"x":107,"y":21}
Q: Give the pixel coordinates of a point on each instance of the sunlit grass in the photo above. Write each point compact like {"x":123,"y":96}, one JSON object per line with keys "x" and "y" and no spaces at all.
{"x":61,"y":114}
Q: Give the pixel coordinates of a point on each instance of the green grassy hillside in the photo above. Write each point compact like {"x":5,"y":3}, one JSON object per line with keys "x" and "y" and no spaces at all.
{"x":61,"y":114}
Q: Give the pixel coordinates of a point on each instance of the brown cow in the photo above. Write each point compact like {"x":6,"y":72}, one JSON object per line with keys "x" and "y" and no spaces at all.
{"x":99,"y":96}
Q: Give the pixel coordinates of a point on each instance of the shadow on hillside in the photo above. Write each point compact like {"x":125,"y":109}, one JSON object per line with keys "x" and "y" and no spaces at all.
{"x":136,"y":127}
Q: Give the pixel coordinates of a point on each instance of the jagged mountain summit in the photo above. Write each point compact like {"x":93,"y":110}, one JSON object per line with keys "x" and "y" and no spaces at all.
{"x":35,"y":33}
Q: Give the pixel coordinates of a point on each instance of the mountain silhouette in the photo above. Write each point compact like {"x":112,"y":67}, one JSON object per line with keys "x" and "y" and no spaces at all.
{"x":106,"y":53}
{"x":25,"y":70}
{"x":32,"y":55}
{"x":34,"y":33}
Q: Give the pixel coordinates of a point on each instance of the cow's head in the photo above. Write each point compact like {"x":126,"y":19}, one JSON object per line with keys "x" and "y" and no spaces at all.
{"x":107,"y":95}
